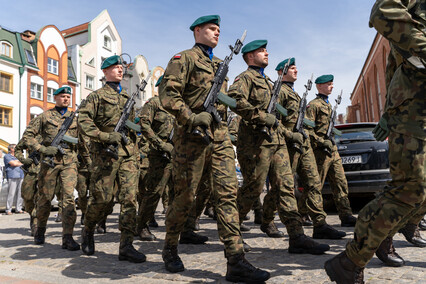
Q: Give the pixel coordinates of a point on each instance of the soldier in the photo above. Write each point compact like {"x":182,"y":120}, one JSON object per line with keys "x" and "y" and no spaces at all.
{"x":319,"y":111}
{"x":97,"y":119}
{"x":64,"y":170}
{"x":403,"y":122}
{"x":83,"y":179}
{"x":302,"y":157}
{"x":260,"y":158}
{"x":187,"y":80}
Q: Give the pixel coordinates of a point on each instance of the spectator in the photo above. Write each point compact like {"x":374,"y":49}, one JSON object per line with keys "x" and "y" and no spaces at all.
{"x":1,"y":168}
{"x":14,"y":176}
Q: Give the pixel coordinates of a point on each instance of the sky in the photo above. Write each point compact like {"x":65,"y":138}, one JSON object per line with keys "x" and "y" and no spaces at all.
{"x":325,"y":37}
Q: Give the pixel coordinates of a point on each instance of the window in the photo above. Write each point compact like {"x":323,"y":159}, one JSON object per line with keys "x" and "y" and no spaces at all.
{"x":71,"y":73}
{"x":52,"y":66}
{"x":30,"y":57}
{"x":90,"y":82}
{"x":6,"y":82}
{"x":5,"y":116}
{"x":32,"y":116}
{"x":50,"y":92}
{"x":6,"y":49}
{"x":91,"y":62}
{"x":107,"y":42}
{"x":36,"y":91}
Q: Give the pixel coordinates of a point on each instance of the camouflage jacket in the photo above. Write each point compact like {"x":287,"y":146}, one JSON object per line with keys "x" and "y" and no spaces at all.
{"x":253,"y":92}
{"x":403,"y":23}
{"x":186,"y":83}
{"x":47,"y":126}
{"x":233,"y":127}
{"x":143,"y":146}
{"x":101,"y":113}
{"x":83,"y":148}
{"x":318,"y":111}
{"x":19,"y":152}
{"x":156,"y":123}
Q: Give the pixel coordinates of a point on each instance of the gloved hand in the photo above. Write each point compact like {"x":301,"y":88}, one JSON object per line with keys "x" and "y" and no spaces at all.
{"x":297,"y":138}
{"x":270,"y":120}
{"x":27,"y":162}
{"x":48,"y":151}
{"x":381,"y":131}
{"x":167,"y":147}
{"x":110,"y":138}
{"x":201,"y":119}
{"x":328,"y":145}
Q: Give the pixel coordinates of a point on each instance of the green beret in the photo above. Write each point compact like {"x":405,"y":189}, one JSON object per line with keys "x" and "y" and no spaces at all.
{"x":253,"y":45}
{"x":159,"y":81}
{"x":215,"y":19}
{"x":112,"y":60}
{"x":324,"y":79}
{"x":63,"y":90}
{"x":280,"y":66}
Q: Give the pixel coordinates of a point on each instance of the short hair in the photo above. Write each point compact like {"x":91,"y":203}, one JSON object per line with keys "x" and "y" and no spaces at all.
{"x":10,"y":147}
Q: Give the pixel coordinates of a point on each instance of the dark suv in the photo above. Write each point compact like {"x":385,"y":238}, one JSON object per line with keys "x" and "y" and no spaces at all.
{"x":364,"y":159}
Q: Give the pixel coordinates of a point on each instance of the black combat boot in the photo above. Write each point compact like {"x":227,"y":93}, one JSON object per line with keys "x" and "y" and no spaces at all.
{"x":246,"y":247}
{"x":39,"y":235}
{"x":146,"y":235}
{"x":348,"y":221}
{"x":326,"y":231}
{"x":258,"y":216}
{"x":412,"y":235}
{"x":209,"y":212}
{"x":306,"y":220}
{"x":82,"y":219}
{"x":172,"y":260}
{"x":244,"y":228}
{"x":386,"y":253}
{"x":422,"y":224}
{"x":58,"y":218}
{"x":342,"y":270}
{"x":240,"y":270}
{"x":101,"y":227}
{"x":129,"y":253}
{"x":153,"y":223}
{"x":190,"y":237}
{"x":246,"y":218}
{"x":69,"y":243}
{"x":271,"y":230}
{"x":304,"y":244}
{"x":164,"y":210}
{"x":88,"y":242}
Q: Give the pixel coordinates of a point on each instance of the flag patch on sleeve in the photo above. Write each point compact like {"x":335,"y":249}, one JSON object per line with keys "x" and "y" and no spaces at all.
{"x":236,"y":79}
{"x":177,"y":56}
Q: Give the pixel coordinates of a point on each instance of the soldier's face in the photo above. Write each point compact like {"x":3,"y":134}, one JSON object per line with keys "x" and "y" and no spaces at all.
{"x":114,"y":73}
{"x":260,"y":57}
{"x":291,"y":75}
{"x":62,"y":100}
{"x":207,"y":34}
{"x":325,"y":88}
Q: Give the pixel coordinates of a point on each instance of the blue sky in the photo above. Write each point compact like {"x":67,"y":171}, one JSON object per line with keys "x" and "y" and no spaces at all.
{"x":325,"y":37}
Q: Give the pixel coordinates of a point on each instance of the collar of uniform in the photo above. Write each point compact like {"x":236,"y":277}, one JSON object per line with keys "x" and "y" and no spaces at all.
{"x":61,"y":110}
{"x":207,"y":50}
{"x":323,"y":97}
{"x":111,"y":91}
{"x":255,"y":70}
{"x":115,"y":86}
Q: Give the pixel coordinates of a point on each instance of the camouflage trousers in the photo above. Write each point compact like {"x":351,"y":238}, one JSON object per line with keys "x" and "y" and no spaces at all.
{"x":203,"y":195}
{"x":305,"y":167}
{"x":273,"y":161}
{"x":157,"y":180}
{"x":108,"y":177}
{"x":404,"y":196}
{"x":190,"y":160}
{"x":83,"y":182}
{"x":141,"y":184}
{"x":48,"y":180}
{"x":165,"y":197}
{"x":29,"y":194}
{"x":332,"y":169}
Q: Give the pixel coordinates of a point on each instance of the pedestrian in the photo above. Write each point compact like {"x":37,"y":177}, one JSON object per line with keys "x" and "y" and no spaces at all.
{"x":15,"y":176}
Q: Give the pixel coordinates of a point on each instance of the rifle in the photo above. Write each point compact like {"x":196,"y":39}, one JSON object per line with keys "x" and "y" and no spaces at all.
{"x":169,"y":140}
{"x":300,"y":119}
{"x":35,"y":156}
{"x":273,"y":106}
{"x":330,"y":131}
{"x":123,"y":122}
{"x":214,"y":94}
{"x":60,"y":138}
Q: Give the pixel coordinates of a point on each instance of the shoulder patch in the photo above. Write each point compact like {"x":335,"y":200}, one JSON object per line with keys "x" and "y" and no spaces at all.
{"x":308,"y":106}
{"x":236,"y":79}
{"x":177,"y":56}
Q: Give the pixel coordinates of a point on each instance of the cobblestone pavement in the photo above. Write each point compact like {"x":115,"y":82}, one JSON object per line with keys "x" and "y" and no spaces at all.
{"x":21,"y":260}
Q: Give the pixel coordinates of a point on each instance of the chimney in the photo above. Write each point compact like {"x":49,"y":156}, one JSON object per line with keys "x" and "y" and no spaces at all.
{"x":28,"y":35}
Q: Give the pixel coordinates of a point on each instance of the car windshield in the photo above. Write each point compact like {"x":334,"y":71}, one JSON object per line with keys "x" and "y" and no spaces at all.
{"x":355,"y":134}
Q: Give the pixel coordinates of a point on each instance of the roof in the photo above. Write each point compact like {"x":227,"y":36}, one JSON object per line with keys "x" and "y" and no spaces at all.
{"x":76,"y":30}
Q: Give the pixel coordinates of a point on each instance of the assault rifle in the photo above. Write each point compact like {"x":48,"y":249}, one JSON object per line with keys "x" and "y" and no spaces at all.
{"x":35,"y":156}
{"x":300,"y":119}
{"x":123,"y":122}
{"x":331,"y":130}
{"x":273,"y":106}
{"x":169,"y":140}
{"x":60,"y":138}
{"x":214,"y":94}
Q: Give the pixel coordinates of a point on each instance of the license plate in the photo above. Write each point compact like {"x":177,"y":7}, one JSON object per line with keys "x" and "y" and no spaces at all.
{"x":351,"y":160}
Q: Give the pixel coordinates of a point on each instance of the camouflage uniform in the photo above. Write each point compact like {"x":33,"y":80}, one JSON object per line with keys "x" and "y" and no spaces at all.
{"x":64,"y":172}
{"x":143,"y":162}
{"x":186,"y":82}
{"x":98,"y":116}
{"x":83,"y":179}
{"x":304,"y":165}
{"x":259,"y":158}
{"x":156,"y":126}
{"x":406,"y":109}
{"x":319,"y":111}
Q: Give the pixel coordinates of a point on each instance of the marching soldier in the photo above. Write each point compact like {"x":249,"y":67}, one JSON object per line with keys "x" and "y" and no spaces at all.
{"x":83,"y":179}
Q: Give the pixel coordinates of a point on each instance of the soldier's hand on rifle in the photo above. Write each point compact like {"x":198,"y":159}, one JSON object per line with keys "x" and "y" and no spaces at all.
{"x":200,"y":119}
{"x":110,"y":138}
{"x":27,"y":161}
{"x":48,"y":151}
{"x":271,"y":120}
{"x":328,"y":145}
{"x":381,"y":131}
{"x":297,"y":137}
{"x":168,"y":148}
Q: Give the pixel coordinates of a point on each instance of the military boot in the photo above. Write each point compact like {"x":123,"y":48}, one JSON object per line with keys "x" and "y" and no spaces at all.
{"x":190,"y":237}
{"x":146,"y":235}
{"x":342,"y":270}
{"x":153,"y":223}
{"x":129,"y":253}
{"x":240,"y":270}
{"x":304,"y":244}
{"x":412,"y":235}
{"x":244,"y":228}
{"x":69,"y":243}
{"x":258,"y":216}
{"x":246,"y":218}
{"x":88,"y":242}
{"x":306,"y":220}
{"x":348,"y":221}
{"x":246,"y":247}
{"x":101,"y":227}
{"x":164,"y":210}
{"x":172,"y":260}
{"x":386,"y":253}
{"x":39,"y":235}
{"x":271,"y":230}
{"x":82,"y":219}
{"x":422,"y":224}
{"x":58,"y":218}
{"x":209,"y":212}
{"x":326,"y":231}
